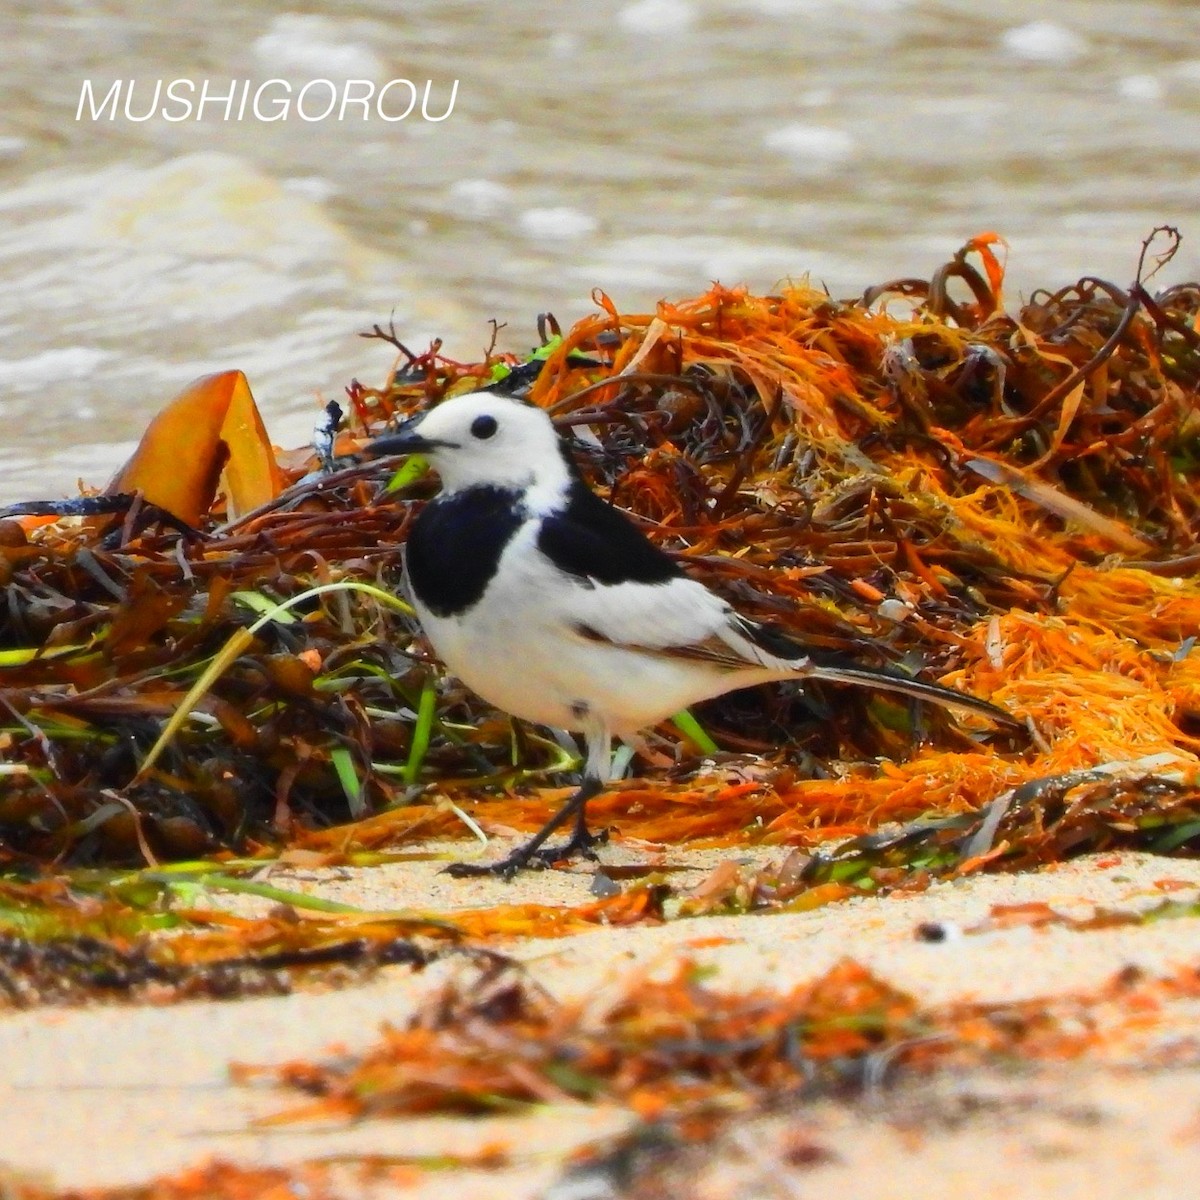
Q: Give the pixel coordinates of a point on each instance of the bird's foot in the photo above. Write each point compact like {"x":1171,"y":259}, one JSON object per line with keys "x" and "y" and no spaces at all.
{"x":534,"y":856}
{"x":582,"y":842}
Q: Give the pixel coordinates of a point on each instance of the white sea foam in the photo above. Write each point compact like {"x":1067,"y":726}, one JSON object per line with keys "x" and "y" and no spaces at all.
{"x":1044,"y":42}
{"x":313,"y":45}
{"x":812,"y":149}
{"x":479,"y":197}
{"x":557,"y":223}
{"x":649,"y":18}
{"x":50,"y":367}
{"x":1146,"y":88}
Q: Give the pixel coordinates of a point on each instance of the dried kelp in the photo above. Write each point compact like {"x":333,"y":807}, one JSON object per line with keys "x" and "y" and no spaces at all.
{"x":70,"y":942}
{"x":1005,"y":502}
{"x":681,"y":1049}
{"x":210,"y":1181}
{"x":87,"y":969}
{"x":163,"y":936}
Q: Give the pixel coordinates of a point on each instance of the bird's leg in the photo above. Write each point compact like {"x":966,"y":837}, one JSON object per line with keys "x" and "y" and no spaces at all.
{"x":582,"y":841}
{"x":535,"y":853}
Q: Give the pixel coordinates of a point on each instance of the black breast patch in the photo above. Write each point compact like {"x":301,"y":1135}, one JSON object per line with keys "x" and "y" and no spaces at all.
{"x":592,"y":540}
{"x":456,"y":543}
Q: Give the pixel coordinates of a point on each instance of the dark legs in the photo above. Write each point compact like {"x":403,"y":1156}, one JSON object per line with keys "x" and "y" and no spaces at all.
{"x":535,"y":854}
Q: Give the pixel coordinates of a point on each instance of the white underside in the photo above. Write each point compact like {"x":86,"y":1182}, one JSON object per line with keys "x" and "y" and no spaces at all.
{"x":519,"y":647}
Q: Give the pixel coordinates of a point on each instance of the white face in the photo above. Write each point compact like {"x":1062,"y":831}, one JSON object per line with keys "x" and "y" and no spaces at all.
{"x":482,"y":438}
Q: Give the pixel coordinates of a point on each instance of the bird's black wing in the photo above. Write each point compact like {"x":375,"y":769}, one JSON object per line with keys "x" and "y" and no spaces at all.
{"x":598,"y":544}
{"x":595,"y":542}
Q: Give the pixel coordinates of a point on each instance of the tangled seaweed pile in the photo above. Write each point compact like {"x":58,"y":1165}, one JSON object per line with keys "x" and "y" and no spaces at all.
{"x":1007,"y":503}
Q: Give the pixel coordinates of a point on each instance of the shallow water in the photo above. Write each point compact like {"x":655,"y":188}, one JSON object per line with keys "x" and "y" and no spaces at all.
{"x":645,"y":148}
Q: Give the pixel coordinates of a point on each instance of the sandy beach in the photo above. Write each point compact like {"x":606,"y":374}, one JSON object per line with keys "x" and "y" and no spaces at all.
{"x":121,"y":1094}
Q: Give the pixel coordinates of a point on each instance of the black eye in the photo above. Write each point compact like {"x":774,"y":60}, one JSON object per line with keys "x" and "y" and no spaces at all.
{"x":483,"y":427}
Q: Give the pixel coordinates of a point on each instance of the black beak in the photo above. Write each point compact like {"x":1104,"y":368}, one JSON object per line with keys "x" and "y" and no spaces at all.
{"x":406,"y":440}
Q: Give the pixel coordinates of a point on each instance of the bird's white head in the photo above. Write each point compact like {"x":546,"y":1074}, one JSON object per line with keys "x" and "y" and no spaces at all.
{"x":483,"y":439}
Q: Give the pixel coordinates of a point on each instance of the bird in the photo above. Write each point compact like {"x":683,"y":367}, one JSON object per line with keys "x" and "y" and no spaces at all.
{"x":552,"y":605}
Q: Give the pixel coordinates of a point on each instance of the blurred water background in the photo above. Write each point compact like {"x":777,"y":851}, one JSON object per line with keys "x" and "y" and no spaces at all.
{"x":645,"y":147}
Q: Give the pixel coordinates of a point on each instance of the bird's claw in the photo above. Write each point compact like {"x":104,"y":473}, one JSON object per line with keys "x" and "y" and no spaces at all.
{"x":582,"y":842}
{"x":533,"y":857}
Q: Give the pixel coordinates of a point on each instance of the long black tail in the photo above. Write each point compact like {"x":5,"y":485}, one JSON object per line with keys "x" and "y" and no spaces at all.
{"x":888,"y":679}
{"x":841,"y":668}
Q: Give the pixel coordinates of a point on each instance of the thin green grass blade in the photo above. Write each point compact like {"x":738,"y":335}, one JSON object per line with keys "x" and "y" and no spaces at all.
{"x":343,"y":764}
{"x":22,"y":656}
{"x":240,"y":641}
{"x":422,"y":730}
{"x":692,"y":730}
{"x":261,"y":604}
{"x":413,"y":469}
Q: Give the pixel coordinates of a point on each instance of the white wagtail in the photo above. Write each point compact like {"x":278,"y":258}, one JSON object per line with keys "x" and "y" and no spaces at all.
{"x":552,"y":605}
